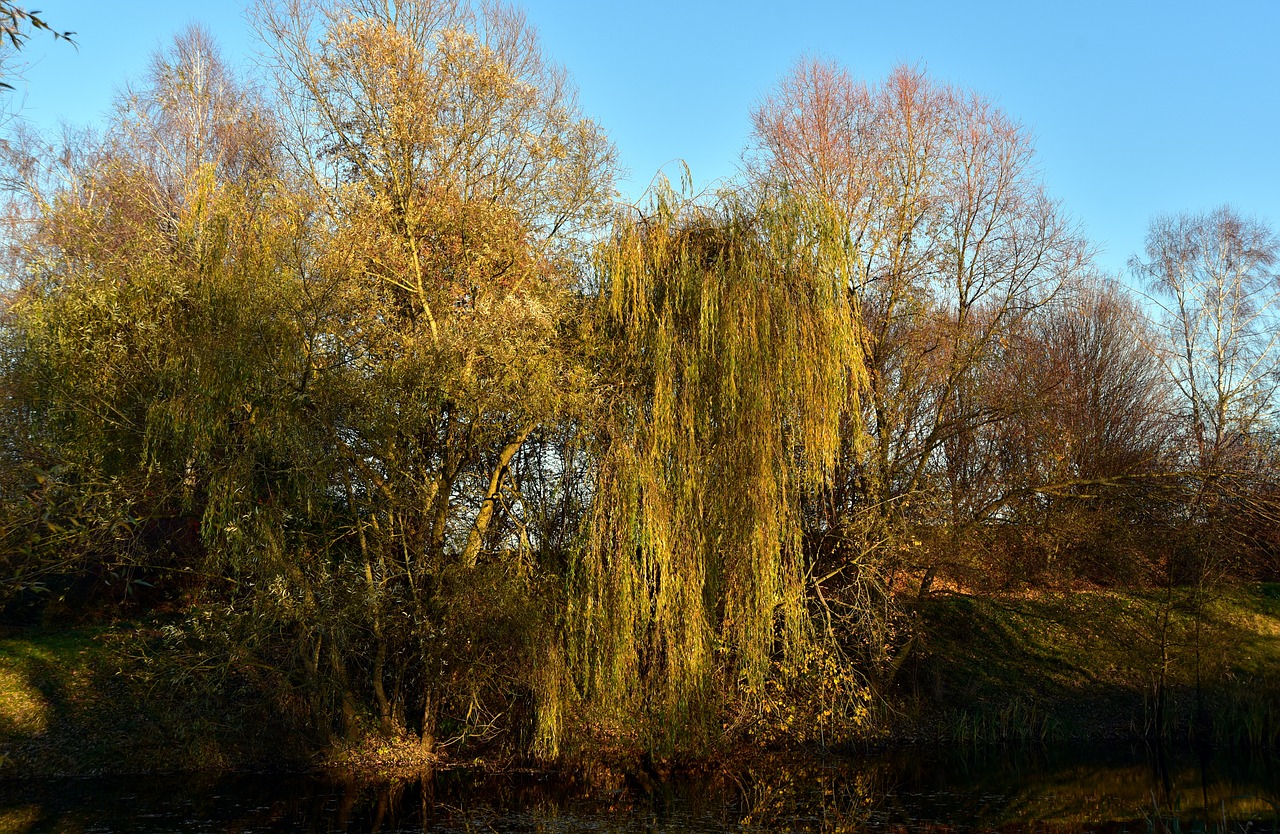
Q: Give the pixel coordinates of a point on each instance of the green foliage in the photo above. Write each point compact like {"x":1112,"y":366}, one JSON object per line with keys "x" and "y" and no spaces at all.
{"x":16,"y":27}
{"x":13,"y":22}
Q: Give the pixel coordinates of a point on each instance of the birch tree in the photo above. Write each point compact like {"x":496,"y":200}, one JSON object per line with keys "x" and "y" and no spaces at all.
{"x":1214,"y":279}
{"x":1214,"y":282}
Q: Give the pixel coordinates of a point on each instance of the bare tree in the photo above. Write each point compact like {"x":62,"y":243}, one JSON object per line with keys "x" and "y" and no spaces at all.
{"x":1083,"y":451}
{"x":950,"y":244}
{"x":1214,"y":280}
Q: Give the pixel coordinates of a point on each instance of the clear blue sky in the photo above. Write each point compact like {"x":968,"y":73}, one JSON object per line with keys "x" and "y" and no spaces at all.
{"x":1137,"y":108}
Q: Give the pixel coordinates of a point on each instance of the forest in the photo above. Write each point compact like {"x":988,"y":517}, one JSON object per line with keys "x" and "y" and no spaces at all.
{"x":358,"y":392}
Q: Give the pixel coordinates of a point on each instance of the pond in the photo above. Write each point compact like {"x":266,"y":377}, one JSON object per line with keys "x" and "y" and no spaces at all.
{"x":985,"y":789}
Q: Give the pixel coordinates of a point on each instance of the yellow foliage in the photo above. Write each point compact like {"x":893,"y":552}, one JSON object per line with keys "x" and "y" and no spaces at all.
{"x":730,"y":354}
{"x":814,"y":697}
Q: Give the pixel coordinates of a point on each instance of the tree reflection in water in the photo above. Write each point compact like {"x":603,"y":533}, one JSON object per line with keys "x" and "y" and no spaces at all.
{"x":991,"y":789}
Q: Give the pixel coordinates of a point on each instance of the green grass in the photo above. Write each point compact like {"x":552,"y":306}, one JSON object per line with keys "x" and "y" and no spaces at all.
{"x":1092,"y":665}
{"x":86,"y":701}
{"x":49,"y":682}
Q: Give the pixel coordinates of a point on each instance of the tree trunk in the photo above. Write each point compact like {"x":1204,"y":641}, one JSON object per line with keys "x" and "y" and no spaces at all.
{"x":428,"y":738}
{"x":481,"y":525}
{"x":379,"y":690}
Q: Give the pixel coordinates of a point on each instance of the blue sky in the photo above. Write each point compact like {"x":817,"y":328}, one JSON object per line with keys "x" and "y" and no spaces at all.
{"x":1137,"y":108}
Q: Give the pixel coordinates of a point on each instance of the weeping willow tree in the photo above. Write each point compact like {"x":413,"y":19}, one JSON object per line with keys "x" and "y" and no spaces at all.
{"x":730,"y":354}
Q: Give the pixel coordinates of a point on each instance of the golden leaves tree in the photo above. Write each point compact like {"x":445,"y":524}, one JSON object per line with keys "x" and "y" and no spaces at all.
{"x":321,"y":333}
{"x":453,"y":178}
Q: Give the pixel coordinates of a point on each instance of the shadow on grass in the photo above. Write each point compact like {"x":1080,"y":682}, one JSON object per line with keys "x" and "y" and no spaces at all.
{"x":1097,"y":665}
{"x":79,"y":702}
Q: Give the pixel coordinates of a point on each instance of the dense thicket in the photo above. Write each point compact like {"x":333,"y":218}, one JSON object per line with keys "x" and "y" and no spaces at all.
{"x":360,"y":380}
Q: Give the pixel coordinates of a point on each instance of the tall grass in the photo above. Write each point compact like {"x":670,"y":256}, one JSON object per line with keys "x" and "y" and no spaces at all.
{"x":1016,"y":721}
{"x":1248,"y":717}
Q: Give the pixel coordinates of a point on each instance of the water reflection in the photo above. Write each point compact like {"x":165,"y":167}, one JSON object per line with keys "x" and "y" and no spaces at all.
{"x":1021,"y":790}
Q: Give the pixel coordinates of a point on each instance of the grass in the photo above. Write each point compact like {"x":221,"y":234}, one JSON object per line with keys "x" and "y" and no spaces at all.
{"x":1095,"y":665}
{"x":83,"y":701}
{"x":48,"y":682}
{"x":1244,"y":814}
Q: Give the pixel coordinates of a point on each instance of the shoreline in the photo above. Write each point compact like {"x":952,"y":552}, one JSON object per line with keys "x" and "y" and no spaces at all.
{"x":1015,"y":671}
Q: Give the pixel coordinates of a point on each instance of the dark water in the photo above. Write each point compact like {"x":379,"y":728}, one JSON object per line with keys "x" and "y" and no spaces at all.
{"x":1024,"y":790}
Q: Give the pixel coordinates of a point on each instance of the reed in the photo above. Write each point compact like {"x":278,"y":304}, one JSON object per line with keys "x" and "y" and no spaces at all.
{"x":1016,"y":721}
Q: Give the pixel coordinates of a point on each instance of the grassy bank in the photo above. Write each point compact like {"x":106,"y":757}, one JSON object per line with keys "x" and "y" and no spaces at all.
{"x":1175,"y":663}
{"x":1053,"y":666}
{"x":87,"y":701}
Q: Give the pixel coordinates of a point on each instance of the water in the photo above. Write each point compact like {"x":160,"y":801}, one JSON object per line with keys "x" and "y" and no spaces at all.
{"x":1023,"y":790}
